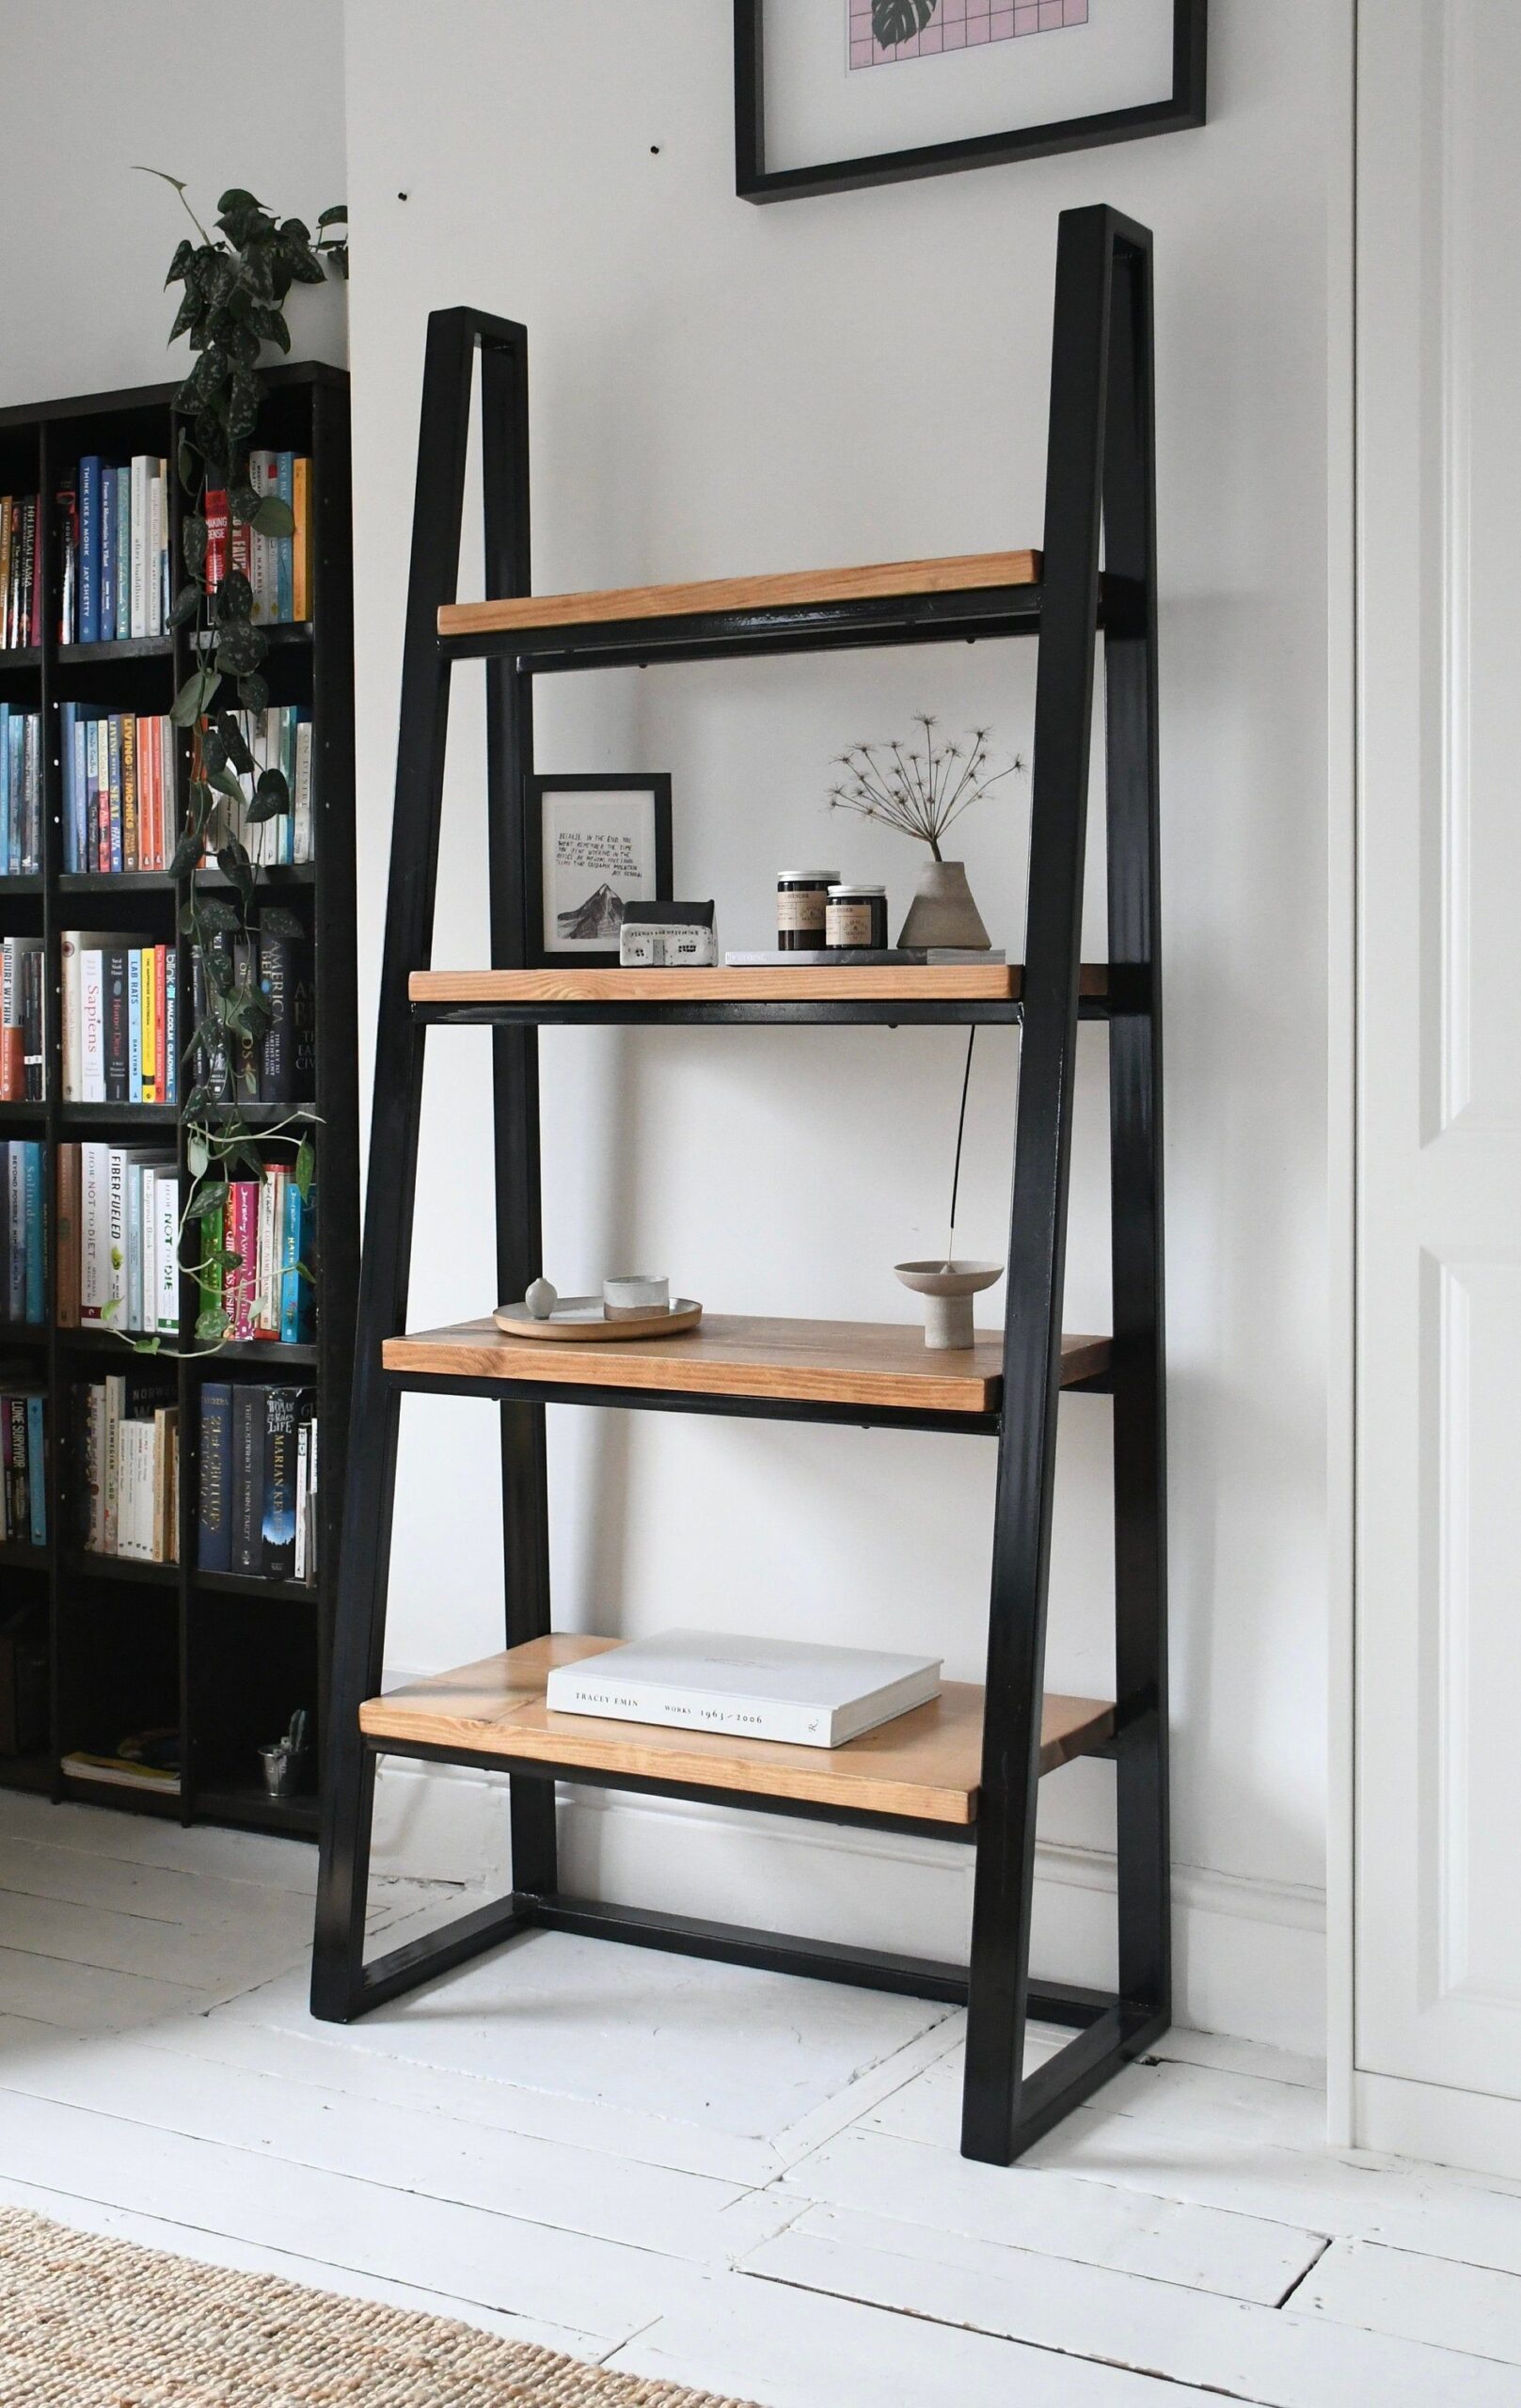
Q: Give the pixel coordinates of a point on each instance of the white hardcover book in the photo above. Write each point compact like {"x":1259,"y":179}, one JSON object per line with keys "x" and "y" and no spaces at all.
{"x":157,"y":539}
{"x":263,"y":475}
{"x":167,"y":1215}
{"x":94,"y":1258}
{"x":114,"y":1308}
{"x":140,"y":468}
{"x":91,"y":1026}
{"x":302,"y":1450}
{"x":134,"y":1181}
{"x":807,"y":1695}
{"x":302,"y":848}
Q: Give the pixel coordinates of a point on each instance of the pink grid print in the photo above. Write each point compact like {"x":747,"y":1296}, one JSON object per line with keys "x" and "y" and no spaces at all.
{"x":961,"y":25}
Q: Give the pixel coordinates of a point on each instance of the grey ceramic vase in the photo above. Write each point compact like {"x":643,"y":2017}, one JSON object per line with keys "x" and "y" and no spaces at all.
{"x":942,"y":912}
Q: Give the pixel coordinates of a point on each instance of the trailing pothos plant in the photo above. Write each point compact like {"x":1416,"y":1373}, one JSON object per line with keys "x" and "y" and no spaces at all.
{"x":234,"y":287}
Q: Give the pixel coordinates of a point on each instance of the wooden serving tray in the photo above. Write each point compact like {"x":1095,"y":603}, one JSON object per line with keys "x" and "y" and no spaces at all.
{"x":519,"y":1323}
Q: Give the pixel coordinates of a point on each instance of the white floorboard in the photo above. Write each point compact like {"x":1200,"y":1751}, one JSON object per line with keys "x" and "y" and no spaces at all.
{"x":699,"y":2173}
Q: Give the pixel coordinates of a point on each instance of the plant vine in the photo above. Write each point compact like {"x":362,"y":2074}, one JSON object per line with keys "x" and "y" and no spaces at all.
{"x":234,"y":287}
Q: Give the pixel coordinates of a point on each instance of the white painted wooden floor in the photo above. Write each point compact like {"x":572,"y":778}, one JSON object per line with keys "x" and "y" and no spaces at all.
{"x":727,"y":2179}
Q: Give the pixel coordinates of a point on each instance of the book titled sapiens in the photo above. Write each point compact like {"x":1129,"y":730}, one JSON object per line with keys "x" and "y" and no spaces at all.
{"x":808,"y":1695}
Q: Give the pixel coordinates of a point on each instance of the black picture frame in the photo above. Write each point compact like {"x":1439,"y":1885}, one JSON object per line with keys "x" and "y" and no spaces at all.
{"x":1184,"y":106}
{"x":542,"y":952}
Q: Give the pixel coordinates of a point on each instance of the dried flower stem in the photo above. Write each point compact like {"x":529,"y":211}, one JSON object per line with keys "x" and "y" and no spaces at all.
{"x":919,"y":790}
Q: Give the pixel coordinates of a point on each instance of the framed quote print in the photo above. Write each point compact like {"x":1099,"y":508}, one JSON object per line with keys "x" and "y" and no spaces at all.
{"x":833,"y":94}
{"x":595,"y":844}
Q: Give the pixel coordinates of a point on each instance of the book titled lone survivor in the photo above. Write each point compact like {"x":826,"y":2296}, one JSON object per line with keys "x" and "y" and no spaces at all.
{"x":747,"y":1688}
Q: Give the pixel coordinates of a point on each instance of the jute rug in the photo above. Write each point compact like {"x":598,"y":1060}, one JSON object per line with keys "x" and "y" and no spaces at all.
{"x":93,"y":2324}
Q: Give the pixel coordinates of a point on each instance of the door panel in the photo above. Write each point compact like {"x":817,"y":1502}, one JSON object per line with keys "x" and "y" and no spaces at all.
{"x":1438,"y":1627}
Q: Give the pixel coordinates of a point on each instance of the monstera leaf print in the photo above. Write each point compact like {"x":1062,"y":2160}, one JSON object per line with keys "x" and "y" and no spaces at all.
{"x":895,"y":20}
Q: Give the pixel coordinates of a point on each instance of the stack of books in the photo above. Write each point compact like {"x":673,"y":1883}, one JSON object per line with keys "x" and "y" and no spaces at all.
{"x":119,"y":801}
{"x":23,"y":1227}
{"x":281,"y":1066}
{"x":121,"y":1019}
{"x":278,"y":739}
{"x":23,"y":1479}
{"x":114,"y":531}
{"x":119,"y":1240}
{"x":20,"y":572}
{"x":21,"y":793}
{"x":278,"y":567}
{"x":20,"y":1020}
{"x":265,"y":1229}
{"x":147,"y":1760}
{"x":127,"y":1441}
{"x":258,"y":1495}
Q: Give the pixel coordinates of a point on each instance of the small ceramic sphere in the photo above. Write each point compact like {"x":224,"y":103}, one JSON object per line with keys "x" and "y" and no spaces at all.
{"x":542,"y":1299}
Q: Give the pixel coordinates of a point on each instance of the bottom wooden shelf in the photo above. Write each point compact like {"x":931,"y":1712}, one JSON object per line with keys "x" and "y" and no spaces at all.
{"x":924,"y":1766}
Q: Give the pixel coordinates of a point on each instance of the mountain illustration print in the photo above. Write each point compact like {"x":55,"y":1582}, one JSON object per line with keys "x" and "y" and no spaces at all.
{"x":599,"y":918}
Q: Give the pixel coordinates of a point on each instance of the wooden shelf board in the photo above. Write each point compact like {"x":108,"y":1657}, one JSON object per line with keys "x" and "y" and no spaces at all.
{"x":925,"y":1765}
{"x":947,"y":982}
{"x":794,"y":588}
{"x":883,"y":1364}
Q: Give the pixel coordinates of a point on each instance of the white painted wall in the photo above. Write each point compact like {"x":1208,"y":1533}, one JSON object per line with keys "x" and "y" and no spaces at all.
{"x":717,"y":388}
{"x":94,"y":88}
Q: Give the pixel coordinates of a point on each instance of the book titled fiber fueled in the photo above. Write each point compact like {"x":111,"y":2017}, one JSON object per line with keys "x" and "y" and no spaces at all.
{"x":807,"y":1695}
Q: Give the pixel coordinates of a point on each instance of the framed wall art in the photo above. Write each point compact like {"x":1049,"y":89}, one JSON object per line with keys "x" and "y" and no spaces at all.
{"x":833,"y":94}
{"x":593,"y":844}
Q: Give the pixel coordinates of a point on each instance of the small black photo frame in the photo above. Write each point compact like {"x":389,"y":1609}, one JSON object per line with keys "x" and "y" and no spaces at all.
{"x":831,"y":95}
{"x":593,"y":843}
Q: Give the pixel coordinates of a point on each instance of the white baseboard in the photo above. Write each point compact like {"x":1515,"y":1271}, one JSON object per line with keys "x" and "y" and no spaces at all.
{"x":1249,"y":1956}
{"x":1462,"y":2127}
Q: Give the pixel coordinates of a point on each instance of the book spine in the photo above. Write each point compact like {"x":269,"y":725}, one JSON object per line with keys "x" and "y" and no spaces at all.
{"x":166,"y":1253}
{"x":108,"y":555}
{"x":92,"y":1025}
{"x":141,"y":471}
{"x":112,"y":732}
{"x":263,"y":476}
{"x":131,"y":846}
{"x":123,"y":619}
{"x":284,"y":559}
{"x":160,"y":600}
{"x":132,"y":1179}
{"x":134,"y":1026}
{"x":37,"y":1470}
{"x":278,"y":1521}
{"x":216,"y":538}
{"x":214,"y":1520}
{"x":34,"y":1239}
{"x":114,"y":1309}
{"x":68,"y":724}
{"x":738,"y":1718}
{"x":248,"y":1477}
{"x":150,"y":1028}
{"x":117,"y":1056}
{"x":303,"y":845}
{"x":90,"y":549}
{"x":67,"y":1265}
{"x":301,"y":540}
{"x":168,"y":1067}
{"x":277,"y":977}
{"x":292,"y":1235}
{"x":15,"y":1217}
{"x":243,"y":1202}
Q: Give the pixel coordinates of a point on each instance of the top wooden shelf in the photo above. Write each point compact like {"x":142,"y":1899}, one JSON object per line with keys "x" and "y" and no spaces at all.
{"x":875,"y":1366}
{"x":789,"y":590}
{"x":887,"y":991}
{"x":976,"y":593}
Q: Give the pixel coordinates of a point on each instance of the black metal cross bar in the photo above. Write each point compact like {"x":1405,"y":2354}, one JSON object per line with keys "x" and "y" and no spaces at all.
{"x":1100,"y":492}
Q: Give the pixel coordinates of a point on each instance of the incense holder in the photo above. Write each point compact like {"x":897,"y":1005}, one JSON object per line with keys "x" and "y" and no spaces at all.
{"x":947,"y":1289}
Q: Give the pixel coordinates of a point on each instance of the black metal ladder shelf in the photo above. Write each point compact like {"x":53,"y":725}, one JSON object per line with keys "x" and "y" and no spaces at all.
{"x":967,"y":1768}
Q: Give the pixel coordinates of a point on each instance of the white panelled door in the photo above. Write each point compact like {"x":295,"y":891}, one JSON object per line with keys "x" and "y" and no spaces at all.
{"x":1438,"y":1616}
